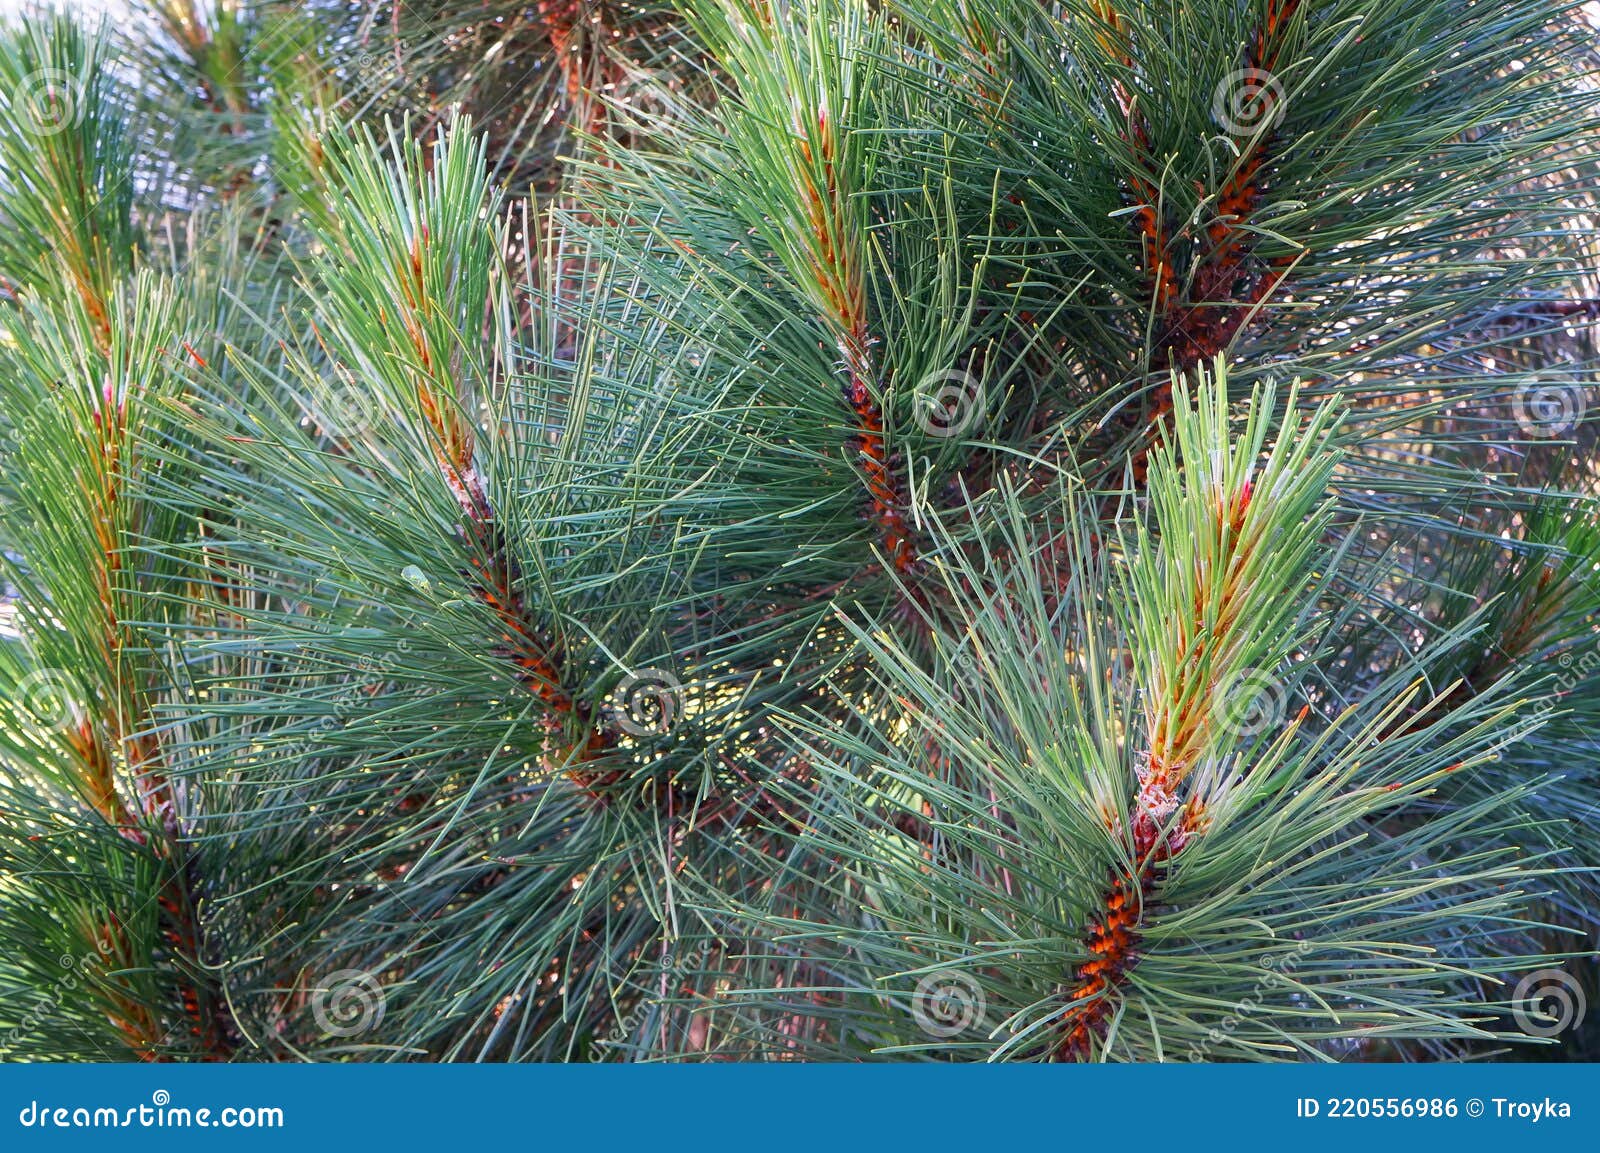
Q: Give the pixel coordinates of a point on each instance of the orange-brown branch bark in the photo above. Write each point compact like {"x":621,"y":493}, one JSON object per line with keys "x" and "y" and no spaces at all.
{"x":1229,"y":285}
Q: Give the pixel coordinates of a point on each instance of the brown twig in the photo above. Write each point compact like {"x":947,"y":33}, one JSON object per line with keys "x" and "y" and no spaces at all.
{"x":495,"y":575}
{"x":1229,"y":286}
{"x":122,"y":727}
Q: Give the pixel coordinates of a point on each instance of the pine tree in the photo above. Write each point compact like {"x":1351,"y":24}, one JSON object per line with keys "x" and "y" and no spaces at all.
{"x":799,"y":530}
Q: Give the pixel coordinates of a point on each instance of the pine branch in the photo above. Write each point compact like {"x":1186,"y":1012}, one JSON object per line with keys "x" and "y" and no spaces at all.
{"x":802,"y":75}
{"x":1197,"y":321}
{"x":420,"y":226}
{"x":1208,"y":609}
{"x":91,"y":351}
